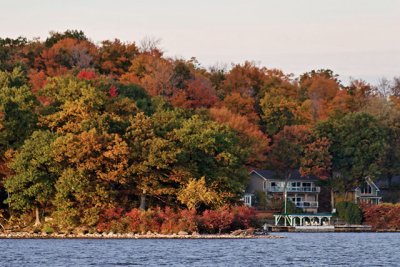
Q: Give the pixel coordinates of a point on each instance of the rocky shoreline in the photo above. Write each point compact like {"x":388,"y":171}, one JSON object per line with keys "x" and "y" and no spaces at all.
{"x":42,"y":235}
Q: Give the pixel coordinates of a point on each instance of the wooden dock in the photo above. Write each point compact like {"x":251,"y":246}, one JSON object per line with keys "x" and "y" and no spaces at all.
{"x":320,"y":229}
{"x":353,"y":228}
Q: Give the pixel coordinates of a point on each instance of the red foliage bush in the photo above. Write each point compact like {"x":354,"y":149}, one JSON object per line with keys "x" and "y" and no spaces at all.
{"x":133,"y":218}
{"x":110,"y":220}
{"x":169,"y":221}
{"x":383,"y":216}
{"x":188,"y":221}
{"x":150,"y":220}
{"x":165,"y":221}
{"x":217,"y":221}
{"x":244,"y":217}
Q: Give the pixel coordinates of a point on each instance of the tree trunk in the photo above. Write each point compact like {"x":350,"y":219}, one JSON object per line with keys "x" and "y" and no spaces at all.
{"x":332,"y":199}
{"x":143,"y":200}
{"x":37,"y":215}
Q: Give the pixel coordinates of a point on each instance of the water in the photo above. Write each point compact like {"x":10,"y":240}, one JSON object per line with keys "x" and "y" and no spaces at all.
{"x":298,"y":249}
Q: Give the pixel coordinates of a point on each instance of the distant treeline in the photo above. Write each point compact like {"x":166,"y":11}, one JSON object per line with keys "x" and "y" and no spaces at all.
{"x":86,"y":128}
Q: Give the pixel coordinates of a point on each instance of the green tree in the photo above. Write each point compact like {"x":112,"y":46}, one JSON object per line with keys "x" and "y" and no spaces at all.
{"x":32,"y":186}
{"x":213,"y":150}
{"x":388,"y":114}
{"x":10,"y":52}
{"x":279,"y":111}
{"x":350,"y":212}
{"x":17,"y":110}
{"x":358,"y":143}
{"x":150,"y":160}
{"x":57,"y":36}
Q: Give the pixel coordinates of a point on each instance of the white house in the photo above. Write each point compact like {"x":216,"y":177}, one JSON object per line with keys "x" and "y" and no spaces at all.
{"x":368,"y":193}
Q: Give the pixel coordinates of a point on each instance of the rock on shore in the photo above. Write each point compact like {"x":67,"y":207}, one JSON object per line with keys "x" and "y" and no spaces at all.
{"x":149,"y":235}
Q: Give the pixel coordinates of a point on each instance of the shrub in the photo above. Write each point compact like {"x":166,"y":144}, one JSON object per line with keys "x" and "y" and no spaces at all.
{"x":188,"y":221}
{"x":349,"y":211}
{"x":112,"y":220}
{"x":133,"y":219}
{"x":48,"y":229}
{"x":169,"y":220}
{"x":217,"y":221}
{"x":382,"y":216}
{"x":261,"y":200}
{"x":244,"y":217}
{"x":290,"y":208}
{"x":150,"y":220}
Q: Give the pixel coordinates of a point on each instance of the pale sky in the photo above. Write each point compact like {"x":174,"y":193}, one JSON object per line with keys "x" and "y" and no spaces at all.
{"x":357,"y":38}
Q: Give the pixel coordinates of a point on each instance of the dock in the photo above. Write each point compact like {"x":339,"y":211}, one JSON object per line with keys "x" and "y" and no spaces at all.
{"x":320,"y":228}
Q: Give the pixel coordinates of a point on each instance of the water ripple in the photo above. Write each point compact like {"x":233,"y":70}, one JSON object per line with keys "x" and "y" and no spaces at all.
{"x":298,"y":249}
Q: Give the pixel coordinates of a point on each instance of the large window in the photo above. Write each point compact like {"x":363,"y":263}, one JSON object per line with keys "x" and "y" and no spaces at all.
{"x":296,"y":199}
{"x":296,"y":184}
{"x":367,"y":189}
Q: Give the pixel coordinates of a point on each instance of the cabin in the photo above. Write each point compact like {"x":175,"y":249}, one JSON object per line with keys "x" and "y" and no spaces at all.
{"x":367,"y":193}
{"x":302,"y":191}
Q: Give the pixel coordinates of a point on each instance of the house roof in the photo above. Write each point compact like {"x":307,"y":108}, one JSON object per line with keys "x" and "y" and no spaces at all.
{"x":370,"y":182}
{"x":272,"y":175}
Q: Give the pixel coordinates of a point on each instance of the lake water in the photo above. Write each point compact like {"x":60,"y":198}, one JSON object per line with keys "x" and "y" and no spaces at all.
{"x":298,"y":249}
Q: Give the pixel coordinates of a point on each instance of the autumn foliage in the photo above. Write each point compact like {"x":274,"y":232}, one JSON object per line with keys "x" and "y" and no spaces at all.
{"x":383,"y":216}
{"x":85,"y":127}
{"x":169,"y":221}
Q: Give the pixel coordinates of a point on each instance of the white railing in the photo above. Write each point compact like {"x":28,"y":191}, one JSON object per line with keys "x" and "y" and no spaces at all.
{"x":303,"y":189}
{"x":306,"y":204}
{"x":359,"y":193}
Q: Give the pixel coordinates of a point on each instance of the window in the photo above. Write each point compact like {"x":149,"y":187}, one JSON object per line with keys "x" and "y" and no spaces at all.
{"x":295,"y":200}
{"x":273,"y":184}
{"x":247,"y":200}
{"x":367,"y":189}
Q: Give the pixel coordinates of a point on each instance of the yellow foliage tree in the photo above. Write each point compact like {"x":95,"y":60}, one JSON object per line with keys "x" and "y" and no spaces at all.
{"x":196,"y":193}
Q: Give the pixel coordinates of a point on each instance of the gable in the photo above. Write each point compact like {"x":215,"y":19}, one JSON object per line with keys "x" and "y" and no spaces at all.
{"x":257,"y":173}
{"x":372,"y":184}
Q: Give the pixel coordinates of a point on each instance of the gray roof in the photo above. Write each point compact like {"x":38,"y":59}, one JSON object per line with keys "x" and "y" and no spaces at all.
{"x":294,"y":175}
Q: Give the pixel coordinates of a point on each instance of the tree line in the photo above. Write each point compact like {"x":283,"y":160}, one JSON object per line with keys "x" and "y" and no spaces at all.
{"x":88,"y":127}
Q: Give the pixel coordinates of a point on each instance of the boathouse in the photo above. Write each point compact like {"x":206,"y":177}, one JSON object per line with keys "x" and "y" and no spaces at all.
{"x":319,"y":219}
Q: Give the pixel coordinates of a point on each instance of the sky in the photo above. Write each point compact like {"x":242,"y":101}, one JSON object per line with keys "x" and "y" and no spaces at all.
{"x":354,"y":38}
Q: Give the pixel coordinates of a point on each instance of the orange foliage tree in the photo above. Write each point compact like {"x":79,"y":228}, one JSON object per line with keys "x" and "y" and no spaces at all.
{"x":248,"y":132}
